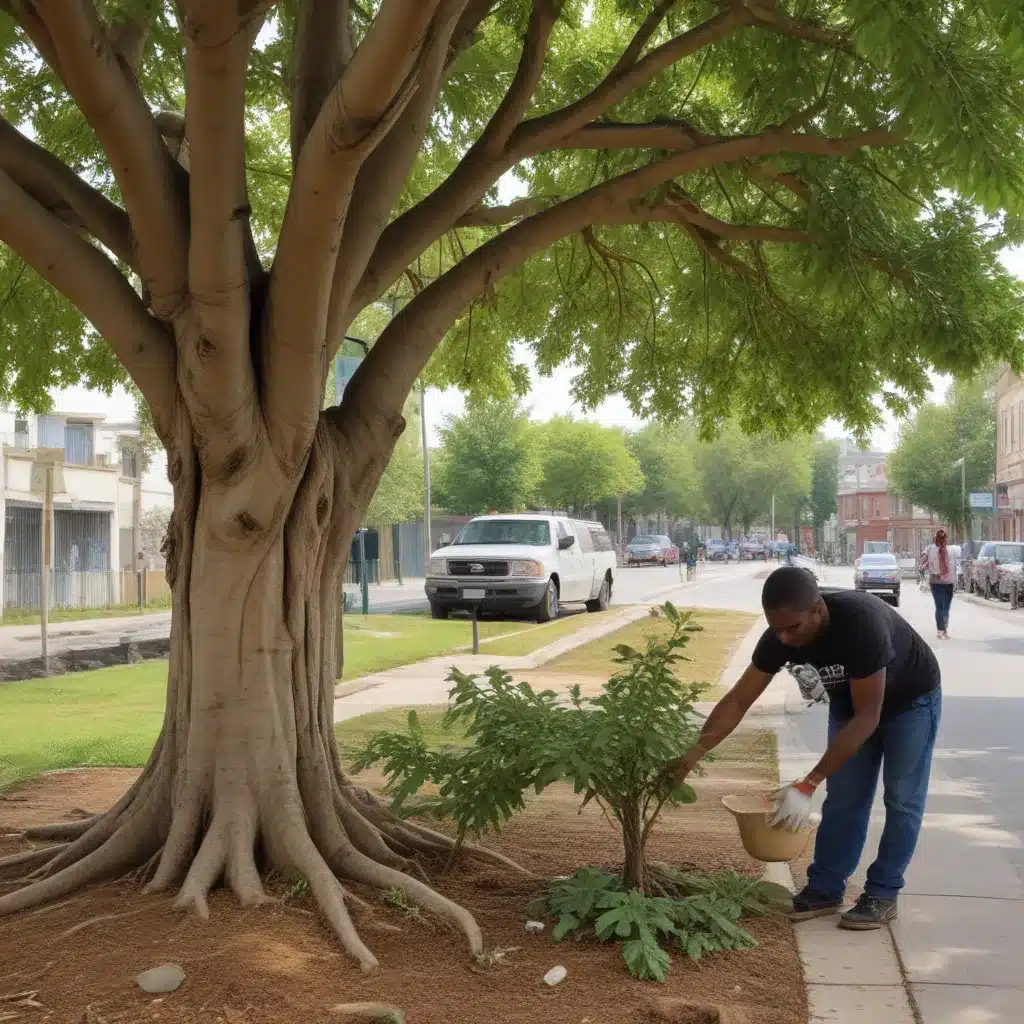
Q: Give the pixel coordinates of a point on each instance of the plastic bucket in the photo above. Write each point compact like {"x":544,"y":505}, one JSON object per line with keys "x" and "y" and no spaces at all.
{"x":760,"y":840}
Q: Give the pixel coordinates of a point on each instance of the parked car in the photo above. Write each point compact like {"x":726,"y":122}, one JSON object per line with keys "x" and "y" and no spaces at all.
{"x":716,"y":551}
{"x":1009,"y":567}
{"x":652,"y":549}
{"x":879,"y":573}
{"x":526,"y":564}
{"x":994,"y":557}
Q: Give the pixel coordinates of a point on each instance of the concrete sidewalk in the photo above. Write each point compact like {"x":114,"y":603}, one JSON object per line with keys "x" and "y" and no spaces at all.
{"x":960,"y":933}
{"x":425,"y":682}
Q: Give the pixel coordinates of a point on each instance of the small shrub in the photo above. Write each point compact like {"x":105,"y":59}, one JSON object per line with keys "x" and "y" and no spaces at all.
{"x":398,"y":899}
{"x":613,"y":747}
{"x":697,"y":913}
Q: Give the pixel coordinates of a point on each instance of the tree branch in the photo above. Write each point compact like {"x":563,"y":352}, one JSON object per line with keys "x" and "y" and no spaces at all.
{"x":481,"y":216}
{"x":111,"y":102}
{"x":386,"y":375}
{"x":32,"y":25}
{"x":769,"y":17}
{"x":322,"y":48}
{"x":219,"y":384}
{"x":411,"y":233}
{"x":382,"y":177}
{"x":61,"y":191}
{"x":384,"y":174}
{"x":93,"y":284}
{"x":660,"y":134}
{"x":129,"y":31}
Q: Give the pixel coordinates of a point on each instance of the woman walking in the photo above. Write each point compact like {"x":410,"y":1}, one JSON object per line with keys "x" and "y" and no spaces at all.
{"x":942,"y":577}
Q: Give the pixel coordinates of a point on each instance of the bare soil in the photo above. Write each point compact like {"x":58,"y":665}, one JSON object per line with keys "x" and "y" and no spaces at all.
{"x":278,"y":963}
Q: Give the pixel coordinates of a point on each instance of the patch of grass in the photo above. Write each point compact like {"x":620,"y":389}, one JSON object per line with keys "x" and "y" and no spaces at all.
{"x":110,"y":717}
{"x":750,"y":746}
{"x":354,"y":733}
{"x":532,"y":638}
{"x":374,"y":643}
{"x":29,"y":617}
{"x":708,"y":650}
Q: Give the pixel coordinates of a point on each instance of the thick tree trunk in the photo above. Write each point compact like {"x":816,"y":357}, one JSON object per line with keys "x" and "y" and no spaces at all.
{"x":634,"y":840}
{"x":245,"y":777}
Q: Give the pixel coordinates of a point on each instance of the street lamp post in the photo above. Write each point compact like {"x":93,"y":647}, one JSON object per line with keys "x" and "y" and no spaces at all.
{"x":962,"y":463}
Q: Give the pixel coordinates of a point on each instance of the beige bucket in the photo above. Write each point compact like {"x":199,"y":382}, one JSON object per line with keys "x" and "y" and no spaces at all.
{"x":760,"y":840}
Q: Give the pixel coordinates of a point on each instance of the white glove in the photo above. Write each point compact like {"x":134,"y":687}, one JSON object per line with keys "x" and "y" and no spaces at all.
{"x":792,"y":806}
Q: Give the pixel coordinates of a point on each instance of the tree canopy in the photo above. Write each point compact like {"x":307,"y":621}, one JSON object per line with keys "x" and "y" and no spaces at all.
{"x":924,"y":467}
{"x":488,"y":460}
{"x":715,"y":207}
{"x":582,"y":463}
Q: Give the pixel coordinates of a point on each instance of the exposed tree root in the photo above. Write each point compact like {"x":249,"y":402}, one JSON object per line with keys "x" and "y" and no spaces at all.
{"x":99,"y":919}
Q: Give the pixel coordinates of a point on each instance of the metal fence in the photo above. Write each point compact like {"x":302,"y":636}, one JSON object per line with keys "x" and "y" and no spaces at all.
{"x":66,"y":589}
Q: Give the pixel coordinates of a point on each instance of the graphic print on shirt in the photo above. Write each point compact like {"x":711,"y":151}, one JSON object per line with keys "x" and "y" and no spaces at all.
{"x":814,"y":682}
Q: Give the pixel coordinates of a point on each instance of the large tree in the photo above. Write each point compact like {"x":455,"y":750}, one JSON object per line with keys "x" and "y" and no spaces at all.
{"x":824,"y":483}
{"x":924,"y":466}
{"x":720,"y":205}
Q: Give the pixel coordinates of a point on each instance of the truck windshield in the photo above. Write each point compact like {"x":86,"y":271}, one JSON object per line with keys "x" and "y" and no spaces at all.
{"x":533,"y":532}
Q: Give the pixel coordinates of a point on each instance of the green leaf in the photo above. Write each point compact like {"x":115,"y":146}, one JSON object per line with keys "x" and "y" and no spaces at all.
{"x":646,"y":960}
{"x":566,"y":925}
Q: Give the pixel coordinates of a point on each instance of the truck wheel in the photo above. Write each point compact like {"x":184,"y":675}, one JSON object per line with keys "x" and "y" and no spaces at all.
{"x":437,"y":612}
{"x":548,"y":607}
{"x":603,"y":599}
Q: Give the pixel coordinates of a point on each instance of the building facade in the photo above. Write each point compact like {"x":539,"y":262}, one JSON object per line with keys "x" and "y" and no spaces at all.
{"x":867,"y":511}
{"x":97,"y":505}
{"x":1009,"y":509}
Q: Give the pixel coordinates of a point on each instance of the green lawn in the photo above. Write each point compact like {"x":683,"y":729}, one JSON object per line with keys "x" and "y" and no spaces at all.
{"x":108,"y":717}
{"x":28,"y":617}
{"x":532,"y":638}
{"x":355,"y":732}
{"x":708,"y":650}
{"x":112,"y":716}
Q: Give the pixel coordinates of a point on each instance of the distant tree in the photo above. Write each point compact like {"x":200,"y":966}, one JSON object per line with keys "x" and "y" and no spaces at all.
{"x":666,"y":455}
{"x":740,"y":472}
{"x":399,"y":495}
{"x":488,"y":460}
{"x":923,"y":467}
{"x":824,"y":482}
{"x":584,"y":462}
{"x":152,"y":530}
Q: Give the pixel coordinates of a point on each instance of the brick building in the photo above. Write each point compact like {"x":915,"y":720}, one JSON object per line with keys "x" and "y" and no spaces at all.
{"x":1010,"y":457}
{"x":866,"y":511}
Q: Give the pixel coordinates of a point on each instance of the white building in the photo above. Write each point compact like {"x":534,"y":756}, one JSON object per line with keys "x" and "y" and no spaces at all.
{"x":97,"y":504}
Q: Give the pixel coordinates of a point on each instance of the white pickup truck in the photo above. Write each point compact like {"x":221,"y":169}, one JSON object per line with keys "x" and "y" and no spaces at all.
{"x":526,"y":564}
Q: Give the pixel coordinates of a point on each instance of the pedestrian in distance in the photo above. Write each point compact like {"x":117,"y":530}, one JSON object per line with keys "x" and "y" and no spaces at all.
{"x":882,"y":685}
{"x":940,"y":562}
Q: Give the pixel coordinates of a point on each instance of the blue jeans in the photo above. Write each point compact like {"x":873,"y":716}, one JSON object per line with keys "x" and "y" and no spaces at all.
{"x":942,"y":595}
{"x":901,"y":747}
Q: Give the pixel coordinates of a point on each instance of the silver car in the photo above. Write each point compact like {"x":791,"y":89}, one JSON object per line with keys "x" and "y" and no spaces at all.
{"x":880,"y":574}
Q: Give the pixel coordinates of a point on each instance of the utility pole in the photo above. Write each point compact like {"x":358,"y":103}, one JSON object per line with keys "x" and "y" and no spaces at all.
{"x":618,"y":525}
{"x":47,"y":553}
{"x":426,"y":477}
{"x":962,"y":463}
{"x":773,"y":520}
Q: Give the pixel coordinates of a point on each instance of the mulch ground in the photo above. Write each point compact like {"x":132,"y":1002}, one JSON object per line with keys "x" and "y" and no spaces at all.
{"x":279,"y":964}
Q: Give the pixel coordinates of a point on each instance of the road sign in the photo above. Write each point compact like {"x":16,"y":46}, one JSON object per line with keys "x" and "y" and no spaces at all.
{"x":981,"y":500}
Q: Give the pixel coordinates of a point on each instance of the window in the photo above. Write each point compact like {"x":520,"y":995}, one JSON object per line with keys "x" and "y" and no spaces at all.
{"x":878,"y":509}
{"x":585,"y":536}
{"x":533,"y":532}
{"x":600,"y":538}
{"x":21,"y":432}
{"x":78,"y":444}
{"x":129,"y":462}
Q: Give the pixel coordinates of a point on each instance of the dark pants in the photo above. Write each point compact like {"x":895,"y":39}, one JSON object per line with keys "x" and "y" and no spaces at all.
{"x":942,"y":595}
{"x":901,"y":748}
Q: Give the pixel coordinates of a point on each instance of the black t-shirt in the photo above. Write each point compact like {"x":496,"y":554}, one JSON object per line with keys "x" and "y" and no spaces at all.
{"x":864,"y":635}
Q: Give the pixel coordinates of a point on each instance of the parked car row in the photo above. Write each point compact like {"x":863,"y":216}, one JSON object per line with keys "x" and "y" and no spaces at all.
{"x":997,"y":571}
{"x":652,"y":549}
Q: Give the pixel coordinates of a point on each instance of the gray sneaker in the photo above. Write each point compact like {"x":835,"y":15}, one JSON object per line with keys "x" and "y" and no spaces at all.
{"x":869,"y":914}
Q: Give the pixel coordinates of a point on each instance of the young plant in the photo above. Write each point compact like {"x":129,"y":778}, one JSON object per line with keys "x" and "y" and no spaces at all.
{"x":613,"y":747}
{"x":698,"y":913}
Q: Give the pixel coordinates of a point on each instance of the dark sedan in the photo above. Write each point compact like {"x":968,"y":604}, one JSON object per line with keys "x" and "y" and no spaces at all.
{"x":652,"y":549}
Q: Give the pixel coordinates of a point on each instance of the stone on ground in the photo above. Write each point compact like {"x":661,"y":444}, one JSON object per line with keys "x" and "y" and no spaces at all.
{"x":165,"y":978}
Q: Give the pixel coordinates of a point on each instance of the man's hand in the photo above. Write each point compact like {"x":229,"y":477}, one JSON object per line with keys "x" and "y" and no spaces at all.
{"x":793,"y":806}
{"x":675,"y":772}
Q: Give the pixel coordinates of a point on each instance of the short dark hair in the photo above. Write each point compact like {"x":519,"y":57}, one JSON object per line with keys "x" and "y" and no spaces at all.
{"x":790,"y":587}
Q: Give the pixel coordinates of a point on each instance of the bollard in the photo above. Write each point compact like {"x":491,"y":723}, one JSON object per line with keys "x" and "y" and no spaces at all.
{"x":476,"y":633}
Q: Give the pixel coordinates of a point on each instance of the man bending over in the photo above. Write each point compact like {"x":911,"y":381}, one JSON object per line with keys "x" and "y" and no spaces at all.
{"x":881,"y":681}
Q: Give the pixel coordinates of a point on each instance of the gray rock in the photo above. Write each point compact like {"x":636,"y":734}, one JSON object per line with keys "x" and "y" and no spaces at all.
{"x":555,"y":976}
{"x":534,"y":927}
{"x":165,"y":978}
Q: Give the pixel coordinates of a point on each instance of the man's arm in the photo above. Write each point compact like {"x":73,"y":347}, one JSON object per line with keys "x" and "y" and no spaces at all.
{"x":867,"y":694}
{"x":726,"y":715}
